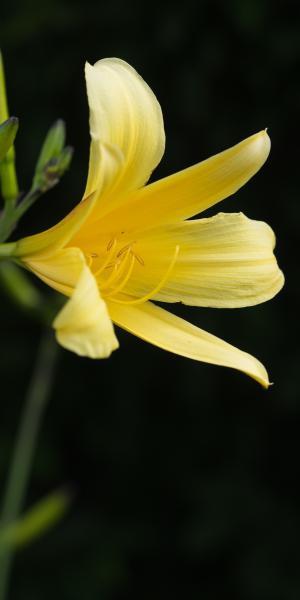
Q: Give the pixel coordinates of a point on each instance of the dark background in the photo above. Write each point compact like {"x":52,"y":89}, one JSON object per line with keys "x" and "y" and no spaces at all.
{"x":185,"y":474}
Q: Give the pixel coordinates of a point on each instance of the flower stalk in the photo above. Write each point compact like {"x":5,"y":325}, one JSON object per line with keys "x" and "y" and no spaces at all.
{"x":7,"y":250}
{"x":19,"y":473}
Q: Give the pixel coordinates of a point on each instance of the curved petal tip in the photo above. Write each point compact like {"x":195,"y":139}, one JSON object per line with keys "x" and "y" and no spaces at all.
{"x":261,"y":146}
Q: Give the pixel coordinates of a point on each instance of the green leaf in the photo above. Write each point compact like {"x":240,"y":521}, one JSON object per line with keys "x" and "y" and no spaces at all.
{"x":36,"y":521}
{"x":8,"y":132}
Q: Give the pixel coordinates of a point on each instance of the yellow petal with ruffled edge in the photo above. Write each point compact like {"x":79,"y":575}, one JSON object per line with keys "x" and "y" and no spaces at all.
{"x":187,"y":192}
{"x":225,"y":261}
{"x":169,"y":332}
{"x":83,"y":325}
{"x":126,"y":117}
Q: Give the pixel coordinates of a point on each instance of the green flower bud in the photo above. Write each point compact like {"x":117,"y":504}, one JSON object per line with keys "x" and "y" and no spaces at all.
{"x":64,"y":160}
{"x":8,"y":131}
{"x":54,"y":159}
{"x":53,"y":144}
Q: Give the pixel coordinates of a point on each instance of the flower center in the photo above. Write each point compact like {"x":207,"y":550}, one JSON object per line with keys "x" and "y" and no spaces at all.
{"x":116,"y":269}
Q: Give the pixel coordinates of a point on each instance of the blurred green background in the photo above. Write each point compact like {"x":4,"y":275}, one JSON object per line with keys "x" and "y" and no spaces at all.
{"x":185,"y":475}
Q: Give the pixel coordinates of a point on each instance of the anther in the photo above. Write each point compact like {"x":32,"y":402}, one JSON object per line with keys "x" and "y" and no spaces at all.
{"x":125,"y":248}
{"x":139,"y":259}
{"x":110,"y":244}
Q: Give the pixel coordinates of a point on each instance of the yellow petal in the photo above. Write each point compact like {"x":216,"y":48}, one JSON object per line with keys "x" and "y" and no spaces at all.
{"x":125,"y":115}
{"x":193,"y":190}
{"x":167,"y":331}
{"x":61,"y":270}
{"x":105,"y":167}
{"x":47,"y":242}
{"x":83,"y":325}
{"x":226,"y":261}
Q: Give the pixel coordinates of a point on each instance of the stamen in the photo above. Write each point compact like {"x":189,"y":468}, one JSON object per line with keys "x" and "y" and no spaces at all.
{"x":139,"y":259}
{"x":157,"y":288}
{"x":112,"y":245}
{"x":90,"y":256}
{"x":119,"y":268}
{"x":125,"y":248}
{"x":127,"y":276}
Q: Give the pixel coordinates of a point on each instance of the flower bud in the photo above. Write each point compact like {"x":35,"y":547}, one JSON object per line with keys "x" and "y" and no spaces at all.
{"x":8,"y":131}
{"x":53,"y":160}
{"x":64,"y":160}
{"x":53,"y":144}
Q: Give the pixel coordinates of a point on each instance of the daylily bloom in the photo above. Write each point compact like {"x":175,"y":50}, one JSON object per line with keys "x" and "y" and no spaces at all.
{"x":126,"y":244}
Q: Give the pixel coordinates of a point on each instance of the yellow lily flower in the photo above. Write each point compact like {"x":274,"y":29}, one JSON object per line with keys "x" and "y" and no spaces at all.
{"x":126,"y":243}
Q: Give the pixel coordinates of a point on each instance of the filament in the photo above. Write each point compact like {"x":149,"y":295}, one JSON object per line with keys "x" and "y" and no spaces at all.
{"x":110,"y":248}
{"x":119,"y":267}
{"x":158,"y":287}
{"x":124,"y":249}
{"x":89,"y":259}
{"x":123,"y":283}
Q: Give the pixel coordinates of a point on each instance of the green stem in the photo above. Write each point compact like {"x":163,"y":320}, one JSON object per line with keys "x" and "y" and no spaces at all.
{"x":16,"y":487}
{"x":7,"y":221}
{"x":8,"y":176}
{"x":12,"y":213}
{"x":6,"y":250}
{"x":27,"y":202}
